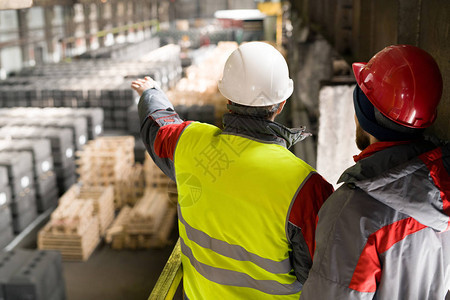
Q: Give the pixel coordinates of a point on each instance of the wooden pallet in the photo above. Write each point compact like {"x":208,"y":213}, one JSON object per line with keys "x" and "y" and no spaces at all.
{"x":71,"y":217}
{"x":148,"y":212}
{"x":106,"y":154}
{"x":110,"y":161}
{"x":154,"y":177}
{"x":102,"y":199}
{"x":147,"y":225}
{"x":132,"y":185}
{"x":107,"y":144}
{"x":115,"y":235}
{"x":156,"y":240}
{"x":72,"y":246}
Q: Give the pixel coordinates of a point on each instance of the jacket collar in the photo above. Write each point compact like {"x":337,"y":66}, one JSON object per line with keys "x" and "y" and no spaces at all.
{"x":375,"y":160}
{"x":373,"y":148}
{"x":262,"y":130}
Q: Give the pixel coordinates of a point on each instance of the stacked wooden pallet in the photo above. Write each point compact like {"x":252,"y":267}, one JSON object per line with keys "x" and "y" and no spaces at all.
{"x":154,"y":177}
{"x":73,"y":229}
{"x":110,"y":161}
{"x":132,"y":184}
{"x":102,"y":199}
{"x":146,"y":225}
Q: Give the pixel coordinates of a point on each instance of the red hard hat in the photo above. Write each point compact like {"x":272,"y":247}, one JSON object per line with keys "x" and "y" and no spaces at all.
{"x":404,"y":83}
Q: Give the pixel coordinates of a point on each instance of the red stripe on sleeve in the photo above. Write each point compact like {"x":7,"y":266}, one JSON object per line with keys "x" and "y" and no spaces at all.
{"x":167,"y":138}
{"x":306,"y":206}
{"x":368,"y":269}
{"x":440,"y":176}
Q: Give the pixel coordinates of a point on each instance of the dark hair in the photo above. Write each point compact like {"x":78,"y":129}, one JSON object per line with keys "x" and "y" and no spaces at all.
{"x":264,"y":112}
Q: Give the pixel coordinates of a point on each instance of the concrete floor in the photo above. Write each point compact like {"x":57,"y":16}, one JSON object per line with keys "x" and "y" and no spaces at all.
{"x":118,"y":274}
{"x":115,"y":275}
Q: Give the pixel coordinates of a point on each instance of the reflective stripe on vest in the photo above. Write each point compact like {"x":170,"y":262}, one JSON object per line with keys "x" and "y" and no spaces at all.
{"x":234,"y":278}
{"x":234,"y":199}
{"x":233,"y":251}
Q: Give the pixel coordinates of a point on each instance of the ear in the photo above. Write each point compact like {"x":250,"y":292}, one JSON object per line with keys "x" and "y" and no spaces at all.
{"x":280,"y":107}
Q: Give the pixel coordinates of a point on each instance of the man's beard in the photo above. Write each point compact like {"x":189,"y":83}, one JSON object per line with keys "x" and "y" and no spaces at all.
{"x":362,"y":138}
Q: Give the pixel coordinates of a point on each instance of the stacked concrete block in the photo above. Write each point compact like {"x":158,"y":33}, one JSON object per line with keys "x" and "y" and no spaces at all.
{"x":62,"y":149}
{"x":31,"y":274}
{"x":43,"y":174}
{"x":6,"y":229}
{"x":92,"y":83}
{"x":94,"y":117}
{"x":19,"y":167}
{"x":76,"y":125}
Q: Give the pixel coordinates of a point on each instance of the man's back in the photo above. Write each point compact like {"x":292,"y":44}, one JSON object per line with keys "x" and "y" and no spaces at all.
{"x":244,"y":192}
{"x":387,"y":228}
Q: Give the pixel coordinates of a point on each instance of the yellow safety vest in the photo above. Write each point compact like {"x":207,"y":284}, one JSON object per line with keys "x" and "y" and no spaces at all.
{"x":234,"y":199}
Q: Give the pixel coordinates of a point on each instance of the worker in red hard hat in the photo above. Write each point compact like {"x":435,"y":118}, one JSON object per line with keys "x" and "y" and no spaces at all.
{"x":247,"y":206}
{"x":384,"y":234}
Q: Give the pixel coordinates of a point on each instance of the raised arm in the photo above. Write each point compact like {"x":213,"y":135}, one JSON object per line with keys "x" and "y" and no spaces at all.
{"x":161,"y":126}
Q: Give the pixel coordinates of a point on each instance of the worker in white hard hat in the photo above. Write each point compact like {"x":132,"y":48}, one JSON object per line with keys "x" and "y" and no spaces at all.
{"x":247,"y":206}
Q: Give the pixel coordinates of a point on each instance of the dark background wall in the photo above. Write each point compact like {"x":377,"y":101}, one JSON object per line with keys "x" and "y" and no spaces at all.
{"x":357,"y":29}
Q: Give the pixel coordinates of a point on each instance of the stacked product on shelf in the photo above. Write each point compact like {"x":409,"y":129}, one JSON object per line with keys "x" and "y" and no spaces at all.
{"x":44,"y":177}
{"x":31,"y":274}
{"x":19,"y":165}
{"x":62,"y":149}
{"x":6,"y":229}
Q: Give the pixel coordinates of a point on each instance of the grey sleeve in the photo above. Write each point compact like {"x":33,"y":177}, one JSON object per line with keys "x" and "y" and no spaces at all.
{"x":156,"y":111}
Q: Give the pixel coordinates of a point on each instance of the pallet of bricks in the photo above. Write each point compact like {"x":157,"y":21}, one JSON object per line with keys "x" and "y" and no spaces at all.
{"x":149,"y":222}
{"x":110,"y":161}
{"x":80,"y":220}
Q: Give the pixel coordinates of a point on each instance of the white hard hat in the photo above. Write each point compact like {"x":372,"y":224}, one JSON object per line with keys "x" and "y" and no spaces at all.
{"x":256,"y":74}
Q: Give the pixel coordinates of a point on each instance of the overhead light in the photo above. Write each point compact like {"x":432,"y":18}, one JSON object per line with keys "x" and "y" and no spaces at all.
{"x":2,"y":198}
{"x":69,"y":152}
{"x":82,"y":140}
{"x":24,"y":181}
